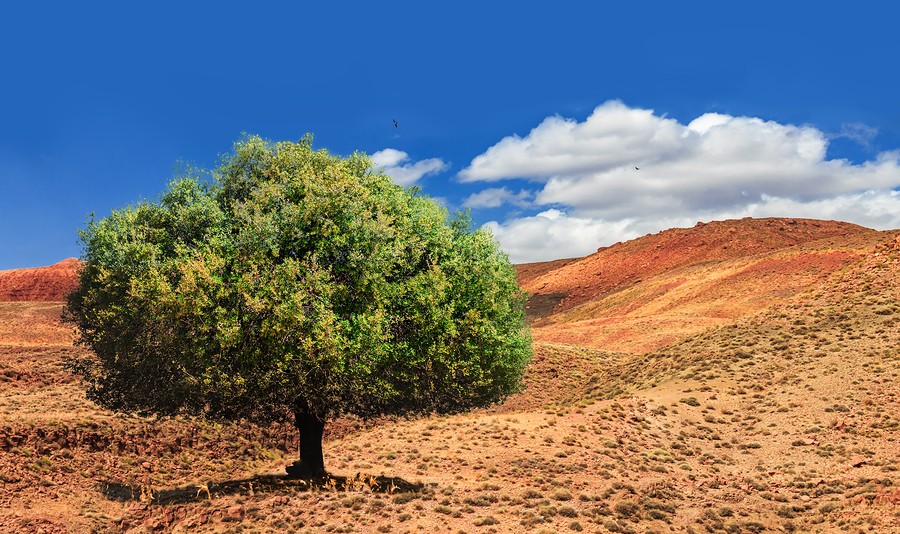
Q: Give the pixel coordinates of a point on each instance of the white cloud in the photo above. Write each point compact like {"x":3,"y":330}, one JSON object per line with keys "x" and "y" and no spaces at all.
{"x":552,"y":235}
{"x":874,"y":209}
{"x":613,"y":136}
{"x":394,"y":163}
{"x":624,"y":172}
{"x":858,"y":132}
{"x":388,"y":157}
{"x":497,"y":196}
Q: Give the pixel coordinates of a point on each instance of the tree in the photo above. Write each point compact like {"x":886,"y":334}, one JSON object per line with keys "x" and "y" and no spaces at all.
{"x":291,"y":283}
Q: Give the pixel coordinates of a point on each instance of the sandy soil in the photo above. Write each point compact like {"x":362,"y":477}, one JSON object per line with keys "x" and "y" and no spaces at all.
{"x":776,"y":418}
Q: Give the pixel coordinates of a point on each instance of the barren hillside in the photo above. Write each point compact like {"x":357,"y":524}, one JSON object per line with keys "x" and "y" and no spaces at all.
{"x":39,"y":284}
{"x":647,"y":293}
{"x":621,"y":265}
{"x":774,"y":411}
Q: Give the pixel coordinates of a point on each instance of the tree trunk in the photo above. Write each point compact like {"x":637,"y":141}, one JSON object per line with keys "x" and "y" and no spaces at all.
{"x":311,"y":462}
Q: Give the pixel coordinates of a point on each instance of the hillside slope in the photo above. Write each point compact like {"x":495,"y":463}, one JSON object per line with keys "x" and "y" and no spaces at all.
{"x":791,"y":413}
{"x":646,"y":293}
{"x":39,"y":284}
{"x":613,"y":268}
{"x":783,"y":417}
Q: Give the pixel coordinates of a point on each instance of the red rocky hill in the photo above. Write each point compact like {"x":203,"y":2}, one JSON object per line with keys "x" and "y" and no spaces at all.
{"x":648,"y":292}
{"x":613,"y":268}
{"x":39,"y":284}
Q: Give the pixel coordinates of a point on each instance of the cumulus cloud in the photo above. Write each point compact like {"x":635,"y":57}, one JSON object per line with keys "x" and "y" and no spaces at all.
{"x":497,"y":196}
{"x":613,"y":136}
{"x":552,"y":234}
{"x":874,"y":209}
{"x":626,"y":171}
{"x":397,"y":165}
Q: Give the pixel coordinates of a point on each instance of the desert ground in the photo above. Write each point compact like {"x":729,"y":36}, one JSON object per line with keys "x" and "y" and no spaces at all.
{"x":738,"y":376}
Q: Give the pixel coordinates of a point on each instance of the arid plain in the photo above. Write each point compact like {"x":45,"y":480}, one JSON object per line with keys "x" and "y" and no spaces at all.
{"x":737,"y":376}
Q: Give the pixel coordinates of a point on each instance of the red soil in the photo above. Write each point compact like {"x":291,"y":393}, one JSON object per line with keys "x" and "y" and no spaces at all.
{"x":39,"y":284}
{"x":622,"y":265}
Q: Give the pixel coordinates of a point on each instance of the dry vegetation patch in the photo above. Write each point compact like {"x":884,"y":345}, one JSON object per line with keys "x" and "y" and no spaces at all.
{"x":782,"y":420}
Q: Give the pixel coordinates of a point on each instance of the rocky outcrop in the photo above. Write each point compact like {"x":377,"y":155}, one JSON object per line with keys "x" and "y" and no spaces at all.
{"x":39,"y":284}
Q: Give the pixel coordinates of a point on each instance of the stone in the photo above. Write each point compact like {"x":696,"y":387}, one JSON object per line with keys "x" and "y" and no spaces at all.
{"x":234,"y":513}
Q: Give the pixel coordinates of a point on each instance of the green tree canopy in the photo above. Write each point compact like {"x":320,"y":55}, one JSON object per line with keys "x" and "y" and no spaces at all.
{"x":293,"y":283}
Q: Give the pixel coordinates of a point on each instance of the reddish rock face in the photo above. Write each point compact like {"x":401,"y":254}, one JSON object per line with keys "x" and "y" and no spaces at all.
{"x":39,"y":284}
{"x":646,"y":293}
{"x":610,"y":269}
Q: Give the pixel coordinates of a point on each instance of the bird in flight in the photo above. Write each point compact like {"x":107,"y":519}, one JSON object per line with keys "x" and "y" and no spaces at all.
{"x":637,"y":169}
{"x":395,"y":123}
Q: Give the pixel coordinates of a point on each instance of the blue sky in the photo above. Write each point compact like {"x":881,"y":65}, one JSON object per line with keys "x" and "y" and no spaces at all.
{"x":533,"y":114}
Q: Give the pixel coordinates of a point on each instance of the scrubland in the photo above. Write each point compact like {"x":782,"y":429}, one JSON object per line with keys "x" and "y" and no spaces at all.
{"x":751,"y":392}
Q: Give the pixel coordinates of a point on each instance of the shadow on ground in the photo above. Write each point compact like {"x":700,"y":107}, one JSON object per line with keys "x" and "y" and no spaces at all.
{"x":540,"y":306}
{"x":118,"y":491}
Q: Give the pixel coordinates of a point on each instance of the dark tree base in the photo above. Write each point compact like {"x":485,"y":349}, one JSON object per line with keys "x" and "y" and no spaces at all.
{"x":301,"y":469}
{"x":311,"y":463}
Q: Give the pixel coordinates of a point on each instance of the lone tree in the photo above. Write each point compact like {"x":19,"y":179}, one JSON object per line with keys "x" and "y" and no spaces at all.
{"x":291,"y":283}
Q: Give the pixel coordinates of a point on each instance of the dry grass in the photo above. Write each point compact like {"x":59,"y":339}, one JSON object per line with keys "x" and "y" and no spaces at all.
{"x":784,"y":420}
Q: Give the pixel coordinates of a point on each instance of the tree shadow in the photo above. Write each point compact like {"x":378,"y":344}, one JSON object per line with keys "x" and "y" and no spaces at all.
{"x":124,"y":492}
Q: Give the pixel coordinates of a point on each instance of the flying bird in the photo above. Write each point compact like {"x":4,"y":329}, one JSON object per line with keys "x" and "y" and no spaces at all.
{"x":395,"y":123}
{"x":636,"y":169}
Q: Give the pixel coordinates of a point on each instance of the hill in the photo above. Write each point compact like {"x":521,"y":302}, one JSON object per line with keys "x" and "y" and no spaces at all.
{"x":621,"y":265}
{"x":39,"y":284}
{"x":775,"y":413}
{"x":646,"y":293}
